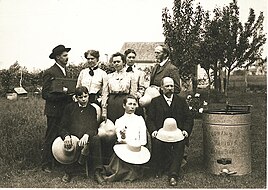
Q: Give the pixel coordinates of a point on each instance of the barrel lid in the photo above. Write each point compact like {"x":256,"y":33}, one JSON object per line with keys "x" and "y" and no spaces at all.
{"x":231,"y":109}
{"x":226,"y":112}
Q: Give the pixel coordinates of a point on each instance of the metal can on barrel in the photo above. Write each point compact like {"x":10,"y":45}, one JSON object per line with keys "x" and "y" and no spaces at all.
{"x":226,"y":140}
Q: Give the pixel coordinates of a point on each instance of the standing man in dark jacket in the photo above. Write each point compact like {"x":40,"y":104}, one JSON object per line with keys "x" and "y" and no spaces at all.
{"x":164,"y":68}
{"x":55,"y":101}
{"x":167,"y":156}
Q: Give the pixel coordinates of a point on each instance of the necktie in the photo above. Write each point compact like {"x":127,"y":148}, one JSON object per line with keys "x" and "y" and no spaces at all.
{"x":91,"y":72}
{"x":129,"y":69}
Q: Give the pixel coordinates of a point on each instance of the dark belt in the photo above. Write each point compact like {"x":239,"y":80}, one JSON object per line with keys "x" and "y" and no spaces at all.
{"x":118,"y":93}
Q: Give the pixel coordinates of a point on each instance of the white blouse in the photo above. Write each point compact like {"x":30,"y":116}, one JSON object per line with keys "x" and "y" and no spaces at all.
{"x":121,"y":82}
{"x":93,"y":83}
{"x":133,"y":126}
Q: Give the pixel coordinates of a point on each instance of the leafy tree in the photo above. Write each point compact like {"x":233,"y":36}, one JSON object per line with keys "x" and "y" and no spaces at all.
{"x":210,"y":50}
{"x":183,"y":33}
{"x":217,"y":43}
{"x":243,"y":43}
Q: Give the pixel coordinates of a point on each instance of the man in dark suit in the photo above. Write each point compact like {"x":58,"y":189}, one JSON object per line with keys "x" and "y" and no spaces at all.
{"x":167,"y":156}
{"x":164,"y":68}
{"x":55,"y":101}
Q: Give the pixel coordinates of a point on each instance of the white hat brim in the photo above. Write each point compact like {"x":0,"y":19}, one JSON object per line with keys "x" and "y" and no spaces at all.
{"x":169,"y":136}
{"x":59,"y":154}
{"x":132,"y":157}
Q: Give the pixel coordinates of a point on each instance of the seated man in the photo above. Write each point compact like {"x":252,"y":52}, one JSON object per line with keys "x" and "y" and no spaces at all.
{"x":167,"y":156}
{"x":80,"y":119}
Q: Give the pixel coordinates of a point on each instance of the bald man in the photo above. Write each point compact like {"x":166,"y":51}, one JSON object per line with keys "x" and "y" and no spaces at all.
{"x":167,"y":156}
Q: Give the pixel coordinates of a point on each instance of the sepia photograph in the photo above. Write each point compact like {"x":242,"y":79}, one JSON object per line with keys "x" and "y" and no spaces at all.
{"x":144,"y":94}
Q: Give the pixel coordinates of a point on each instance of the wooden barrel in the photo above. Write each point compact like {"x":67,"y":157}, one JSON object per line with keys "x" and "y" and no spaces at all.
{"x":226,"y":141}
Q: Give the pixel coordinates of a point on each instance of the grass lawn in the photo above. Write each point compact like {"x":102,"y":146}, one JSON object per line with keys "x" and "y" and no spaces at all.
{"x":16,"y":175}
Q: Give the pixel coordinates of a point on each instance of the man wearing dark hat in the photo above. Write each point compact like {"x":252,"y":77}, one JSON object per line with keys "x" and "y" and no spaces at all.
{"x":55,"y":101}
{"x":168,"y":147}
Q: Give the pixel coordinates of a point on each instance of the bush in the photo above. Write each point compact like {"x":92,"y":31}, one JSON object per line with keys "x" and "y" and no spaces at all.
{"x":22,"y":129}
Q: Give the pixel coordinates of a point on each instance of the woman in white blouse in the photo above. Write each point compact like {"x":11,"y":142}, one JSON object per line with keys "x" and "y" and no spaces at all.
{"x":129,"y":128}
{"x":93,"y":77}
{"x":119,"y":84}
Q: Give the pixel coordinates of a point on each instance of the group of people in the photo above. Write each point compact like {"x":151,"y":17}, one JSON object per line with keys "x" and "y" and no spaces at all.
{"x":143,"y":137}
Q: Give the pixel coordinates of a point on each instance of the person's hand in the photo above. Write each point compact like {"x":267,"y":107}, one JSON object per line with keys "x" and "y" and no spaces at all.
{"x":84,"y":140}
{"x":121,"y":141}
{"x":185,"y":133}
{"x":68,"y":142}
{"x":154,"y":134}
{"x":65,"y":89}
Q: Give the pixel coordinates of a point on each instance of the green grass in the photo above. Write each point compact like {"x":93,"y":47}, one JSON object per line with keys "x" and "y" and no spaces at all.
{"x":23,"y":126}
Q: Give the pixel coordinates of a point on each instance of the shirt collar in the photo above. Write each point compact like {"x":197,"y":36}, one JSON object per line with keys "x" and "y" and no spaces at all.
{"x":163,"y":62}
{"x":129,"y":115}
{"x":169,"y":99}
{"x":62,"y":68}
{"x":80,"y":106}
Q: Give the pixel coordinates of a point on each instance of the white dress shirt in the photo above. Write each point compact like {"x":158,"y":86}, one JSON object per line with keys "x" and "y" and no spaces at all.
{"x":169,"y":100}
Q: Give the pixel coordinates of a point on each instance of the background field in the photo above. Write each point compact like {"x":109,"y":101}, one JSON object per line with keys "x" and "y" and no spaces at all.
{"x":22,"y":128}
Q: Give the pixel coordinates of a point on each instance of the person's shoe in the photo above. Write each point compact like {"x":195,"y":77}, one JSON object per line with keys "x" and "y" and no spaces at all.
{"x":66,"y":178}
{"x":46,"y":169}
{"x":98,"y":177}
{"x":172,"y":181}
{"x":82,"y":159}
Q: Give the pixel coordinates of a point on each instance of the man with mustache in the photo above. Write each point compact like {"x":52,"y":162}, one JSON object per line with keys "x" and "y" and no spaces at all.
{"x":167,"y":156}
{"x":55,"y":102}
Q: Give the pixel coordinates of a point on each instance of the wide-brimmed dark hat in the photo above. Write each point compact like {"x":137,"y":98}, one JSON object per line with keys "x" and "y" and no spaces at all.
{"x":58,"y":50}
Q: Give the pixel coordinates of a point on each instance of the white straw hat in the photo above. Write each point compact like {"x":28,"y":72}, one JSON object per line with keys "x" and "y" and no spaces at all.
{"x":106,"y":128}
{"x":132,"y":152}
{"x":150,"y":93}
{"x":98,"y":110}
{"x":145,"y":100}
{"x":63,"y":155}
{"x":170,"y":132}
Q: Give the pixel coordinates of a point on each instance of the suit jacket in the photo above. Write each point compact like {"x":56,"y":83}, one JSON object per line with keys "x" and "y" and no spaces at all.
{"x":167,"y":70}
{"x":55,"y":102}
{"x":78,"y":121}
{"x":159,"y":110}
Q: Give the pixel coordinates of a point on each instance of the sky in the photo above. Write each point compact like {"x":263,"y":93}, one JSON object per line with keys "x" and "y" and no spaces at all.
{"x":30,"y":29}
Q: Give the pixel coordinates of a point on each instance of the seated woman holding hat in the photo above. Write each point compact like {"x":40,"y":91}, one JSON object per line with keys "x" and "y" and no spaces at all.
{"x":130,"y":152}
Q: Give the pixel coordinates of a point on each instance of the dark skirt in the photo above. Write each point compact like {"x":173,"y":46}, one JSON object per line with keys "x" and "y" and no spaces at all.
{"x":118,"y":170}
{"x":115,"y":106}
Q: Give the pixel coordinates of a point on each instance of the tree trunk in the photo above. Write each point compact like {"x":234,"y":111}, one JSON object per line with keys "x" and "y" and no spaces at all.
{"x":227,"y":84}
{"x":221,"y":75}
{"x":209,"y":84}
{"x":246,"y":77}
